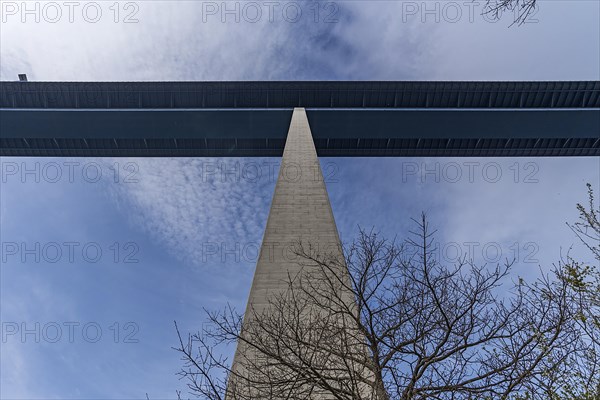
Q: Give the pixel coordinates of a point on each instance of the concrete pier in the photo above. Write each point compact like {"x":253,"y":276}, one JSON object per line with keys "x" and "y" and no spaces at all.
{"x":300,"y":213}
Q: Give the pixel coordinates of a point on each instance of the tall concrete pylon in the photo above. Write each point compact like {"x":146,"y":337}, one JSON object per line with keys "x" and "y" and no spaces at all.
{"x":300,"y":212}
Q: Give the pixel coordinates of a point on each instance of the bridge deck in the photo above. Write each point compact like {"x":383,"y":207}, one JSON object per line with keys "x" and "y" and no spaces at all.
{"x":346,"y":118}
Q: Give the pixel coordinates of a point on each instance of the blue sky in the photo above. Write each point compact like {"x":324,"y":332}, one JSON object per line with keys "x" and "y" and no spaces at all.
{"x":194,"y":233}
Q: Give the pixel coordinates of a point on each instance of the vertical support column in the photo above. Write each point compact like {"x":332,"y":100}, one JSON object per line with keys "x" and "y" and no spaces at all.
{"x":300,"y":212}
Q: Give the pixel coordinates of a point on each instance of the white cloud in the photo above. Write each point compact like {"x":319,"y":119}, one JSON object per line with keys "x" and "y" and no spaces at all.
{"x":530,"y":209}
{"x":187,"y":204}
{"x":178,"y":40}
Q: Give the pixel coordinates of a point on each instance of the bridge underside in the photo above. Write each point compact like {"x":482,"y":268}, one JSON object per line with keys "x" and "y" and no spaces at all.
{"x":347,"y":118}
{"x":340,"y":132}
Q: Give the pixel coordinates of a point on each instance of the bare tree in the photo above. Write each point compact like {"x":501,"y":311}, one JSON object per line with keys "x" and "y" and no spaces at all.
{"x":587,"y":228}
{"x":521,"y":10}
{"x":583,"y":280}
{"x":411,"y":328}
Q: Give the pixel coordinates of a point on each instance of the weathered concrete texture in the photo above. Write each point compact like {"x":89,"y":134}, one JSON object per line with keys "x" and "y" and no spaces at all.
{"x":300,"y":212}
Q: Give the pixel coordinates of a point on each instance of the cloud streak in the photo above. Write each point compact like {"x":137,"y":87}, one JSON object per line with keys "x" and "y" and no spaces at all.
{"x":186,"y":203}
{"x":185,"y":40}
